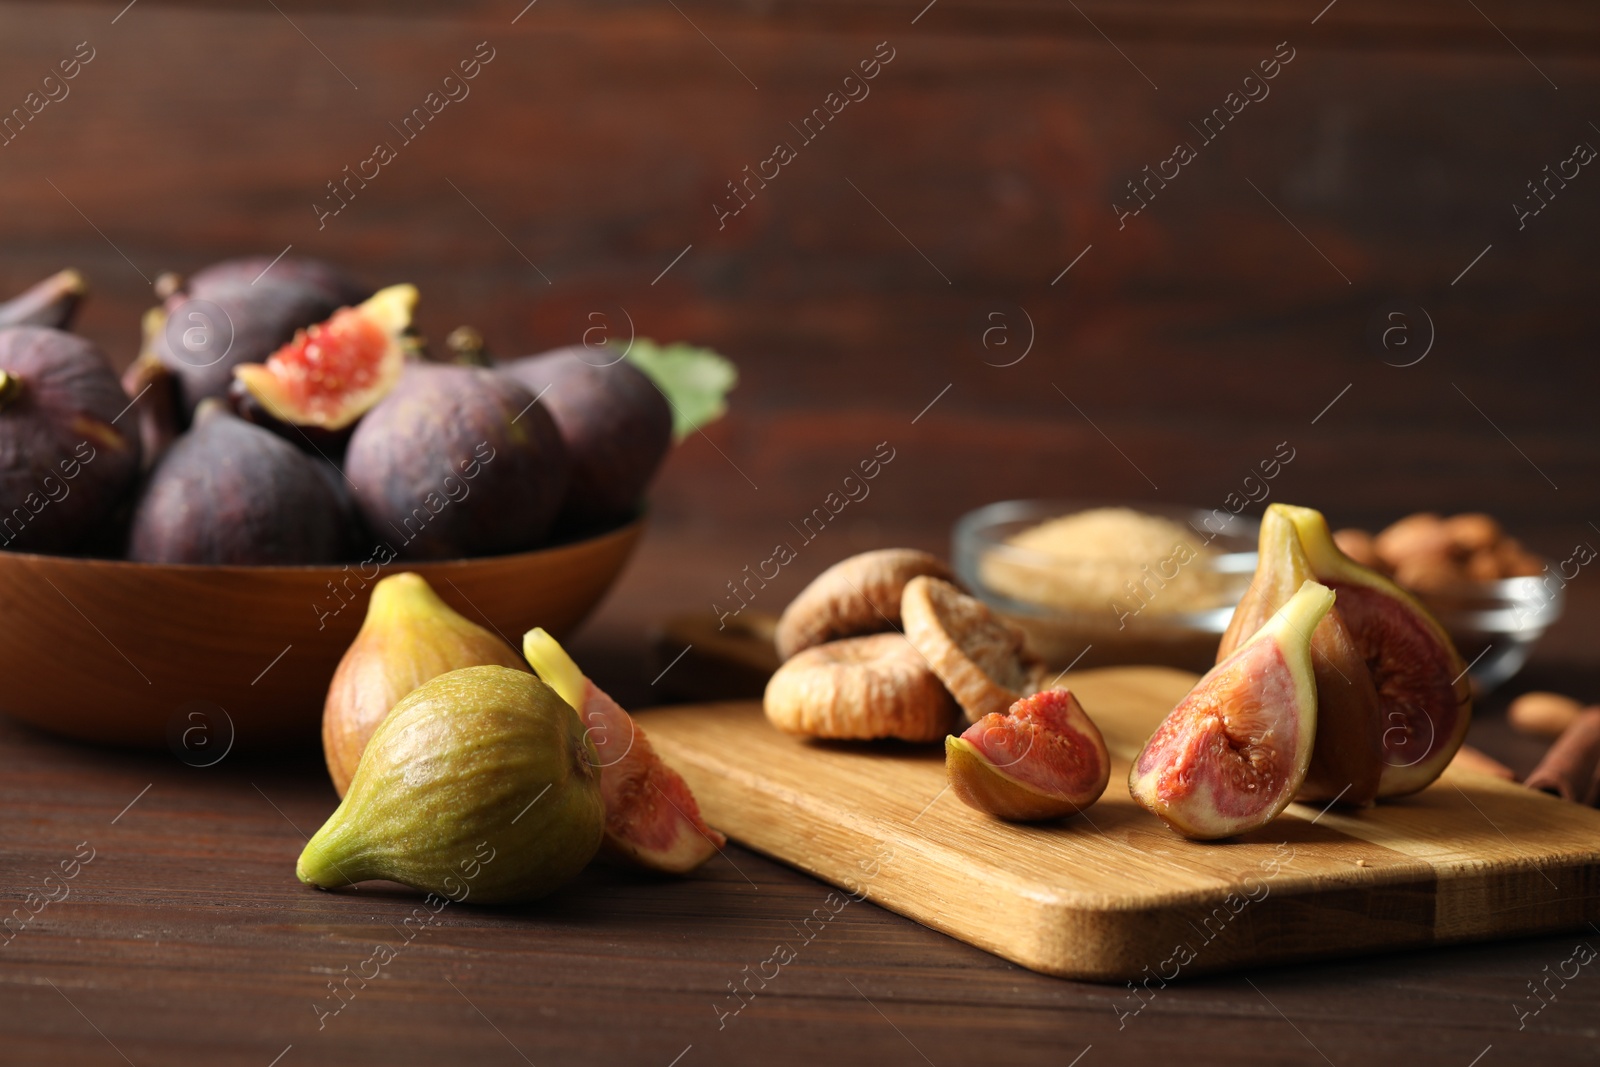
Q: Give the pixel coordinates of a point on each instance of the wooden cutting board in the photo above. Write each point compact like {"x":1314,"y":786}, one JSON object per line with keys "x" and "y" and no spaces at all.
{"x":1112,"y":894}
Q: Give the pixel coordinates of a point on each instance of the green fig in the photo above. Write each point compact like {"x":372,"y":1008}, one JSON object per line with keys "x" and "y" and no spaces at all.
{"x":480,"y":785}
{"x":408,"y":637}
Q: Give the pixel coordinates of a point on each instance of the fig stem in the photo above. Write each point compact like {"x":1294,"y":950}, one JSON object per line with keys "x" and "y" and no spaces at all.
{"x":10,"y":387}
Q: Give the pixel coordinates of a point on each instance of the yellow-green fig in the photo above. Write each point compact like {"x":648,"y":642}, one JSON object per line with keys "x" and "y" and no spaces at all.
{"x":409,"y":636}
{"x":479,"y":786}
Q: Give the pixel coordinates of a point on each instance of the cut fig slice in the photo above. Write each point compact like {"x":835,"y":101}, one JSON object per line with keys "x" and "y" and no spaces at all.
{"x":1424,"y":694}
{"x":652,"y":819}
{"x":332,"y":373}
{"x":1042,"y":759}
{"x":1234,"y":752}
{"x":1347,"y":756}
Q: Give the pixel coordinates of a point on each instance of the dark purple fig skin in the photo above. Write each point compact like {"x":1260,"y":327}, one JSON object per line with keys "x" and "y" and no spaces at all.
{"x":152,"y":390}
{"x":67,"y":459}
{"x":261,"y":315}
{"x":335,"y":286}
{"x":614,"y":420}
{"x":52,"y":303}
{"x":231,"y":493}
{"x":456,"y":462}
{"x":318,"y":441}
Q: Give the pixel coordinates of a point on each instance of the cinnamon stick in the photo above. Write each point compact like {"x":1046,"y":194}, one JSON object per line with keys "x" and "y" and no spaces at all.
{"x":1568,"y":770}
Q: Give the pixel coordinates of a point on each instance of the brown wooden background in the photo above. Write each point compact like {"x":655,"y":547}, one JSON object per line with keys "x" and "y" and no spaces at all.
{"x":593,"y":145}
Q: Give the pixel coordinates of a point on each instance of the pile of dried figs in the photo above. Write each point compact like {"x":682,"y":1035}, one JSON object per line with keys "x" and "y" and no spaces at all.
{"x":281,"y":412}
{"x":1332,"y":684}
{"x":467,"y":774}
{"x":887,"y":645}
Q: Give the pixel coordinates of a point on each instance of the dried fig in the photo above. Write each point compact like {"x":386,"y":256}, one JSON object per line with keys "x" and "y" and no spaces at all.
{"x":479,"y":786}
{"x":1347,"y":758}
{"x":1042,"y":759}
{"x":52,"y":303}
{"x":65,"y":465}
{"x":408,"y":637}
{"x":860,"y":688}
{"x":1234,"y":752}
{"x":1423,"y":689}
{"x":982,"y":659}
{"x":858,"y":595}
{"x":651,"y":818}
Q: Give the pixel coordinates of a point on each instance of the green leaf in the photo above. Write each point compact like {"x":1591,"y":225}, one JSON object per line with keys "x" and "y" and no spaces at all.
{"x":695,"y":381}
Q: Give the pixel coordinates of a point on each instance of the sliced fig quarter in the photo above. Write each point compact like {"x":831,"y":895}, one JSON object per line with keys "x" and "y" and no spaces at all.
{"x":1424,"y":694}
{"x":1042,"y":759}
{"x":1234,"y":752}
{"x":652,"y":819}
{"x":1347,"y":756}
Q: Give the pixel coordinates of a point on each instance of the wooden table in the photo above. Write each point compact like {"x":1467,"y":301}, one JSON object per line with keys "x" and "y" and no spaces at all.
{"x":859,"y":294}
{"x":186,"y":939}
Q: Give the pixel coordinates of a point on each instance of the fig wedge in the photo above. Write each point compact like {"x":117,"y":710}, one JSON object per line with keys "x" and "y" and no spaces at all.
{"x":1234,"y":752}
{"x":1424,"y":694}
{"x":1347,"y":756}
{"x":1042,"y":759}
{"x":652,"y":819}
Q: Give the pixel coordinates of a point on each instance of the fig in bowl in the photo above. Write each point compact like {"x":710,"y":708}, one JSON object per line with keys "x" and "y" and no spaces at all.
{"x":66,"y":465}
{"x":113,"y":652}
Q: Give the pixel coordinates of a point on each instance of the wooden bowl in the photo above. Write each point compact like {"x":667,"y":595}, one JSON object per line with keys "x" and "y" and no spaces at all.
{"x":204,"y":658}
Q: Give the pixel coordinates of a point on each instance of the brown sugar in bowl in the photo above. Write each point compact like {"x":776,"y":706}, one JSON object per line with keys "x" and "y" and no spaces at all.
{"x":122,"y":653}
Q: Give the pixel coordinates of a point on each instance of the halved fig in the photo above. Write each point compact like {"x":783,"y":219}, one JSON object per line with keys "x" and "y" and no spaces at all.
{"x":1042,"y":759}
{"x":332,"y":373}
{"x":1347,"y":756}
{"x":1234,"y":752}
{"x":652,"y":819}
{"x":1424,"y":694}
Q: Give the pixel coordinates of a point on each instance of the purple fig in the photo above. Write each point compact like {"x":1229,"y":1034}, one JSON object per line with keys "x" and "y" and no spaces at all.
{"x":52,"y":302}
{"x":615,"y":422}
{"x":65,"y":463}
{"x":152,"y":391}
{"x":232,"y":493}
{"x":336,"y":287}
{"x":457,"y":461}
{"x":225,"y":315}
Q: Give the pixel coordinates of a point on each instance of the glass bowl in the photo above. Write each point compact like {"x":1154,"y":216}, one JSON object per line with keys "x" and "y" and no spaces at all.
{"x":1088,"y":613}
{"x":1494,"y":624}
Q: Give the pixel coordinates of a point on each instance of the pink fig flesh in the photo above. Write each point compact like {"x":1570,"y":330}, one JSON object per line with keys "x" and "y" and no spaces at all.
{"x":1233,"y":753}
{"x":1042,"y":759}
{"x":1424,"y":693}
{"x":652,"y":819}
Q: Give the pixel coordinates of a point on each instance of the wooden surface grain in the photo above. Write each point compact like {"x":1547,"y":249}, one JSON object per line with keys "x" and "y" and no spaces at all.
{"x":186,"y":939}
{"x":855,"y":293}
{"x":1115,"y":895}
